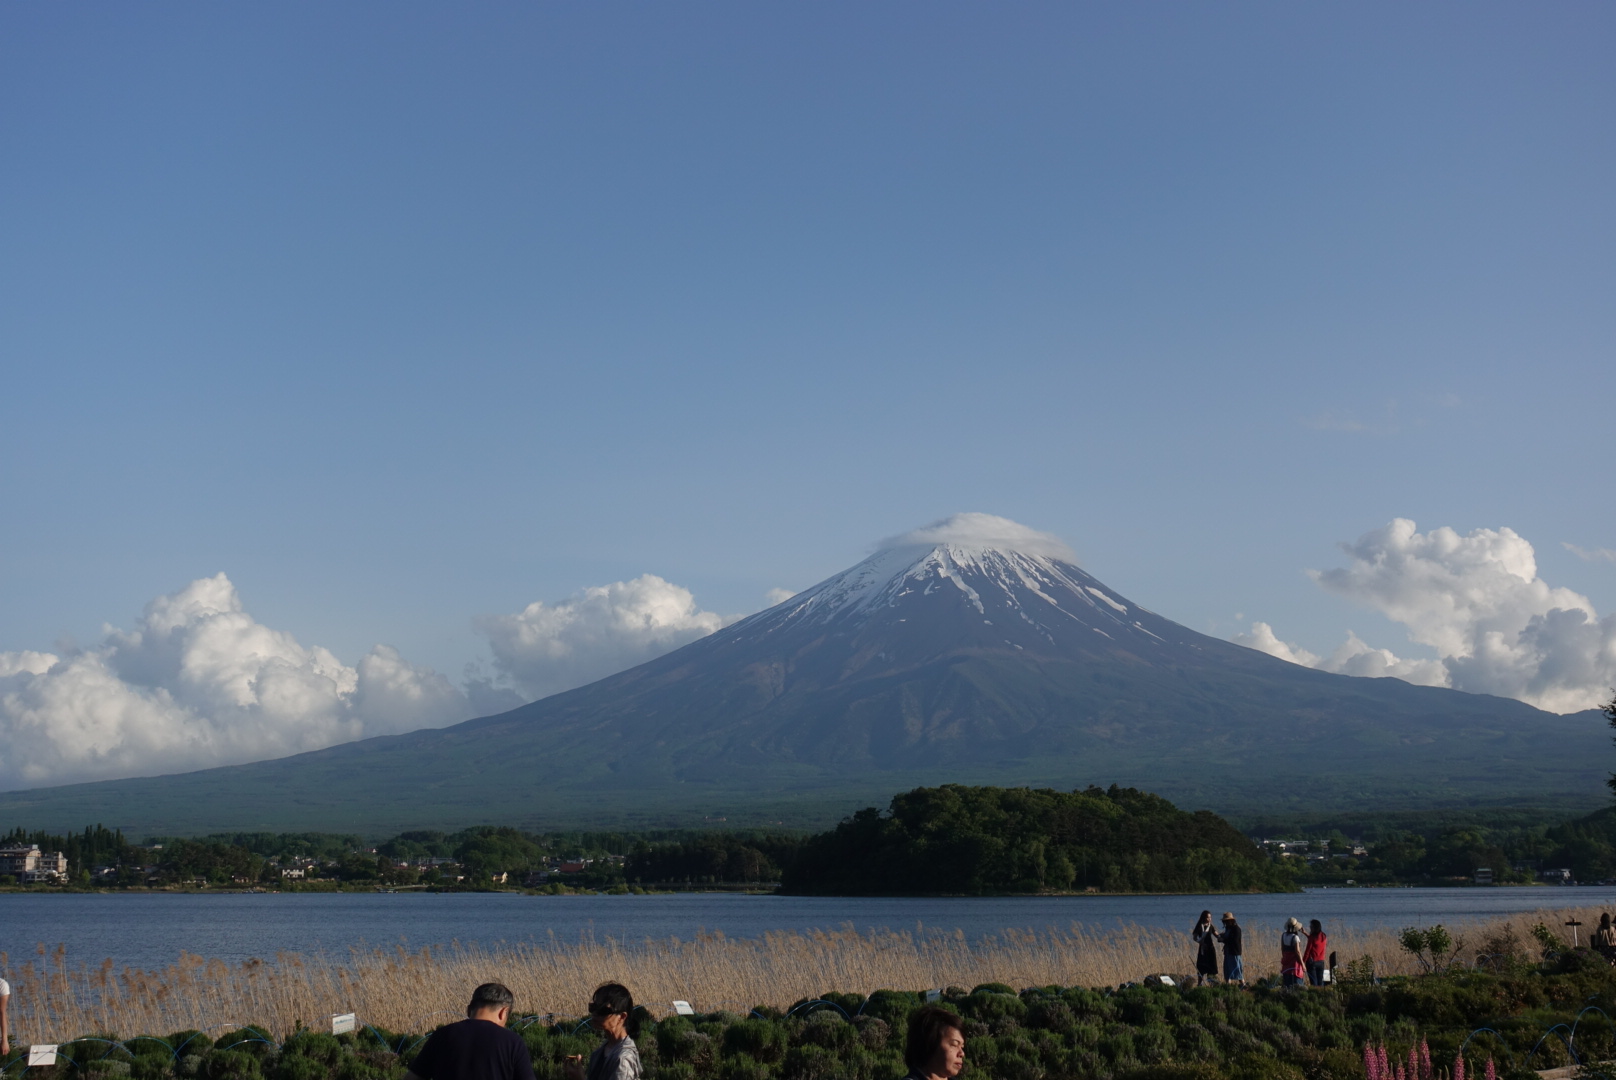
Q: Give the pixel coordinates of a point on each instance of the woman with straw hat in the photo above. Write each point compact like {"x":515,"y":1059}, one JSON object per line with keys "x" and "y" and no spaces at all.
{"x":1291,"y":944}
{"x":1234,"y":966}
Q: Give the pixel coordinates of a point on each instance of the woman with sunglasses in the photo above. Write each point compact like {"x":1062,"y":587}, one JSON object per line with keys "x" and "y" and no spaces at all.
{"x":617,"y":1058}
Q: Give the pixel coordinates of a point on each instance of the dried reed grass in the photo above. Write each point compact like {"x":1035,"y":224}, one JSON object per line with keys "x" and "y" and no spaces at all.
{"x":402,"y":990}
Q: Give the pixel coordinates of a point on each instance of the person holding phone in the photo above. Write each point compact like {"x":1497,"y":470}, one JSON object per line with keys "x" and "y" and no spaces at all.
{"x":617,"y":1058}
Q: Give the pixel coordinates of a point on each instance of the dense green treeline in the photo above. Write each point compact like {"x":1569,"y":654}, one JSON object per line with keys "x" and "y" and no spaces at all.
{"x":95,"y":846}
{"x":1517,"y":846}
{"x":983,"y":840}
{"x":951,"y":839}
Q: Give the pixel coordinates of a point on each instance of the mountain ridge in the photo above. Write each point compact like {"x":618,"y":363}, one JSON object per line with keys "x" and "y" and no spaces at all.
{"x":932,"y":661}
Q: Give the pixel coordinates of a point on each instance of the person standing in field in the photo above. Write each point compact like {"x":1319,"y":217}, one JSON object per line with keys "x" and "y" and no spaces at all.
{"x":1317,"y":943}
{"x":479,"y":1047}
{"x":1605,"y":937}
{"x":617,"y":1058}
{"x":1291,"y":945}
{"x":1206,"y":949}
{"x":935,"y":1049}
{"x":5,"y":1018}
{"x":1234,"y":968}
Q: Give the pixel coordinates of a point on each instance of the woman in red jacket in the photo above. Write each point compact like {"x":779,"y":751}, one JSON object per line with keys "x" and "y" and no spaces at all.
{"x":1317,"y":943}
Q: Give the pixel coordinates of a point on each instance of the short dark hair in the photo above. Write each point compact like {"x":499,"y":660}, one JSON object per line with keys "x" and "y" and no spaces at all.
{"x":927,"y":1028}
{"x":490,"y":996}
{"x":614,"y":996}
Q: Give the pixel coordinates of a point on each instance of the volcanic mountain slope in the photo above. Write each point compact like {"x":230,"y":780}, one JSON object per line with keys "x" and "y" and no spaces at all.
{"x":975,"y":651}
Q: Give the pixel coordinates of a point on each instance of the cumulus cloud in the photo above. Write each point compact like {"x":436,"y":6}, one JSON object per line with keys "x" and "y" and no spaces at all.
{"x":778,"y":596}
{"x":1353,"y":657}
{"x":198,"y":682}
{"x":547,"y":648}
{"x":972,"y":530}
{"x":1477,"y":602}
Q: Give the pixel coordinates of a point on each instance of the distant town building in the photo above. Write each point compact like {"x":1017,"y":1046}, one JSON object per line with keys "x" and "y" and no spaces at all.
{"x":28,"y":864}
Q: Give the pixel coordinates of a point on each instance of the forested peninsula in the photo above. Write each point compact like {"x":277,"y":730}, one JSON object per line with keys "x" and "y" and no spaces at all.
{"x":979,"y":841}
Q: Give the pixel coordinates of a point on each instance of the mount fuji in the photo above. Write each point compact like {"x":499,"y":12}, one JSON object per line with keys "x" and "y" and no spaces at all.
{"x":975,"y":650}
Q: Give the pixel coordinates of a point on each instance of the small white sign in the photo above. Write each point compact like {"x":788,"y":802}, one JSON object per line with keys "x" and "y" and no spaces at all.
{"x":342,"y":1023}
{"x":933,"y":996}
{"x":43,"y":1054}
{"x":680,"y":1008}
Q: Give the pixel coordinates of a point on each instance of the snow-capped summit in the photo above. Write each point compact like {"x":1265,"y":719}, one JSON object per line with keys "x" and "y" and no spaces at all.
{"x":970,"y":579}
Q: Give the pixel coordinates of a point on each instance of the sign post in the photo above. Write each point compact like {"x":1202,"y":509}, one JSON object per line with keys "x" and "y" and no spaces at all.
{"x":342,"y":1023}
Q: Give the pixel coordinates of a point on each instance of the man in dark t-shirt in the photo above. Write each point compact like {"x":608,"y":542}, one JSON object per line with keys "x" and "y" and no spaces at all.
{"x":480,"y":1047}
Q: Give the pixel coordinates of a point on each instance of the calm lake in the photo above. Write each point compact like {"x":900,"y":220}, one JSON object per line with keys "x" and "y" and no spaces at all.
{"x":150,"y":931}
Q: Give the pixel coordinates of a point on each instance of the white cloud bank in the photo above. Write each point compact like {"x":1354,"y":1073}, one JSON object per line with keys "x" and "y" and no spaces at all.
{"x":197,"y":683}
{"x":547,"y":648}
{"x":1476,"y":600}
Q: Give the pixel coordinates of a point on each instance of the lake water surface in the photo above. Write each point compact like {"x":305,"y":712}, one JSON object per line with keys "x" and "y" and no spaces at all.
{"x":148,"y":931}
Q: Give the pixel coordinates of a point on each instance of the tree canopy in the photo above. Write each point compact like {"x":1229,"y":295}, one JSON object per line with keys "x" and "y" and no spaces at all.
{"x":986,"y":840}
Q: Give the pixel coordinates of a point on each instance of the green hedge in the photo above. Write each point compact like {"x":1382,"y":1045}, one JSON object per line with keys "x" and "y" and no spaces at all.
{"x":1044,"y":1033}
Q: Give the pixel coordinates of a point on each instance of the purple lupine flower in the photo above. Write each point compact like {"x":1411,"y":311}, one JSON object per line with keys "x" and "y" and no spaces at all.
{"x":1458,"y":1068}
{"x":1371,"y":1063}
{"x":1490,"y":1072}
{"x":1385,"y":1064}
{"x":1402,"y":1074}
{"x":1425,"y":1060}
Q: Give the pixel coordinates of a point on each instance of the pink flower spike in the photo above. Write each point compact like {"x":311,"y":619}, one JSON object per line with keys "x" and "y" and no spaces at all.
{"x":1458,"y":1068}
{"x":1490,"y":1072}
{"x":1385,"y":1064}
{"x":1413,"y":1064}
{"x":1401,"y":1074}
{"x":1425,"y":1060}
{"x":1371,"y":1063}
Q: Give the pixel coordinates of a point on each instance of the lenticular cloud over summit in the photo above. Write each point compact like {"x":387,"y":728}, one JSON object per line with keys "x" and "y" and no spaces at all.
{"x":972,"y":531}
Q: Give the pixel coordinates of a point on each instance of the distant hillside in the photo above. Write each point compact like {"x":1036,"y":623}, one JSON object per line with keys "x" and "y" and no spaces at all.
{"x":919,"y":666}
{"x":982,"y":841}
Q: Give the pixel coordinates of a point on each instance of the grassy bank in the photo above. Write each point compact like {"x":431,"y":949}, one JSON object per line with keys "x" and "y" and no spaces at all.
{"x":56,"y":998}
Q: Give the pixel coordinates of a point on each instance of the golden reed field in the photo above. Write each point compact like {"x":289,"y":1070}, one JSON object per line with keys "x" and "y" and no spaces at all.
{"x":55,"y":999}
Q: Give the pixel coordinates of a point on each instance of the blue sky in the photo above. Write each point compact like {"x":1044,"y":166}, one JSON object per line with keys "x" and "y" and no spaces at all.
{"x":403,"y":314}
